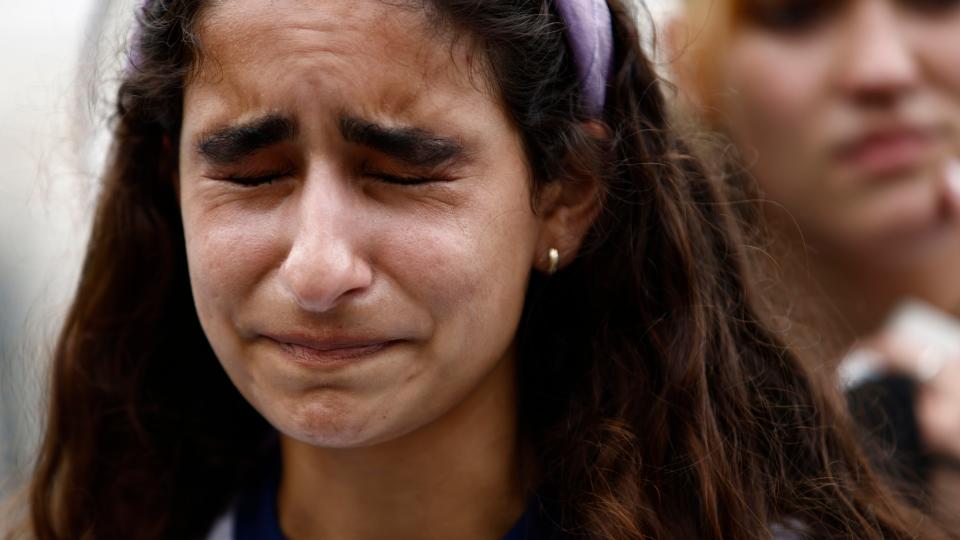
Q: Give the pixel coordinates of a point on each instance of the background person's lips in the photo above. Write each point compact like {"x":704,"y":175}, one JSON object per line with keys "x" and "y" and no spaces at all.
{"x":890,"y":151}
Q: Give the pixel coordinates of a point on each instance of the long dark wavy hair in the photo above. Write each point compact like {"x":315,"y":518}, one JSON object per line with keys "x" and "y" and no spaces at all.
{"x":657,"y":404}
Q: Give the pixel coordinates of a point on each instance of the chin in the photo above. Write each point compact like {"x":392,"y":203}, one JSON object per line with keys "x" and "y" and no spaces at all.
{"x":900,"y":222}
{"x":893,"y":248}
{"x":328,"y":438}
{"x":329,"y":423}
{"x":915,"y":250}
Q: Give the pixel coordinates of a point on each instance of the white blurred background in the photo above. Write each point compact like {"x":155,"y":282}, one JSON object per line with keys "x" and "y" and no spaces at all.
{"x":60,"y":64}
{"x":58,"y":67}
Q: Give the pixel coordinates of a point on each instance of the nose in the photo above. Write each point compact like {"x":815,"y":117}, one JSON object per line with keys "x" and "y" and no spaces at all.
{"x":879,"y":65}
{"x":324,"y":265}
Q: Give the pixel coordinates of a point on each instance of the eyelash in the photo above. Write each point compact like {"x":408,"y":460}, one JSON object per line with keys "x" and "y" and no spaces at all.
{"x":401,"y":180}
{"x":254,"y":181}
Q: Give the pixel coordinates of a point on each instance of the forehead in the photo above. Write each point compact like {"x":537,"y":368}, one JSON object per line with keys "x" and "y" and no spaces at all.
{"x":372,"y":57}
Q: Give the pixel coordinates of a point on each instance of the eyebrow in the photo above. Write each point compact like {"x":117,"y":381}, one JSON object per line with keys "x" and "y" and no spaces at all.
{"x":233,"y":143}
{"x":413,"y":146}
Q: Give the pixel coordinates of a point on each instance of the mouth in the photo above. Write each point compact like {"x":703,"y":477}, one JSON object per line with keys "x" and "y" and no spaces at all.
{"x":888,"y":152}
{"x":335,"y":352}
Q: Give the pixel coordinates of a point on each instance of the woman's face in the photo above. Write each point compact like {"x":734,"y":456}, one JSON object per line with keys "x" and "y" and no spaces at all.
{"x":848,"y":110}
{"x":357,"y":213}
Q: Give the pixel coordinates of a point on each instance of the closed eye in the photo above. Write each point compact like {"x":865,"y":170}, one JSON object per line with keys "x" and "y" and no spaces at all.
{"x":380,"y":173}
{"x":401,"y":180}
{"x":254,"y":180}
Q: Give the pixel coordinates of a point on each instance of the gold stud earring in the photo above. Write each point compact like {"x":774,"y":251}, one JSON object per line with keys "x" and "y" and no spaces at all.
{"x":554,"y":257}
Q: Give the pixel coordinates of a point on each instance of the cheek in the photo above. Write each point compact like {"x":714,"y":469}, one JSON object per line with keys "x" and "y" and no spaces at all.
{"x":468,"y":268}
{"x":939,"y":49}
{"x":778,"y":110}
{"x":469,"y":265}
{"x":228,"y":252}
{"x":773,"y":90}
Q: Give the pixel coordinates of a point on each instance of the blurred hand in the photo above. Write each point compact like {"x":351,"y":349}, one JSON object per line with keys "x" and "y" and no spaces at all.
{"x":936,"y":369}
{"x":952,"y":185}
{"x":938,"y":410}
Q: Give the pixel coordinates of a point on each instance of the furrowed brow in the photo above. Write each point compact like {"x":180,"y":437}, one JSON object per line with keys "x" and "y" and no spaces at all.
{"x":414,"y":146}
{"x":233,"y":143}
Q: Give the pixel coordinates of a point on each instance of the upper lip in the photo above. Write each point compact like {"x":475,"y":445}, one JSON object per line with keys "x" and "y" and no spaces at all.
{"x":328,"y":343}
{"x":885,"y":133}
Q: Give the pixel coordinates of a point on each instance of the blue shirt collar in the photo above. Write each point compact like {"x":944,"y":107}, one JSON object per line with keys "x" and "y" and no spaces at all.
{"x":256,"y":514}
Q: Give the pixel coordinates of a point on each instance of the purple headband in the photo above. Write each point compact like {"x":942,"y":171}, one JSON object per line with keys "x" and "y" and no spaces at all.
{"x":134,"y":54}
{"x":590,"y":35}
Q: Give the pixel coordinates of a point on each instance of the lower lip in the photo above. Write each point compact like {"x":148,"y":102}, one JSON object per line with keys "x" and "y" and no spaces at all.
{"x":891,"y":155}
{"x":329,"y":358}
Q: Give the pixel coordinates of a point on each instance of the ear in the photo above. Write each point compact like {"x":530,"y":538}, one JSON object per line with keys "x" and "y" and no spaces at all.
{"x":567,"y":209}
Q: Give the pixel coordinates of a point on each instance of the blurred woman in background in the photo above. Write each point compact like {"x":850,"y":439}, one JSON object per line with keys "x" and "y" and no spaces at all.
{"x":847,"y":114}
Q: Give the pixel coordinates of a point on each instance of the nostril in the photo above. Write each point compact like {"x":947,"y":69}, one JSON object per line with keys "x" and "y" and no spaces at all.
{"x":319,"y":280}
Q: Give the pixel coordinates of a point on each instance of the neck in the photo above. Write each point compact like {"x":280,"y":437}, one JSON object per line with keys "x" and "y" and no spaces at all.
{"x":458,"y":477}
{"x":837,"y":299}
